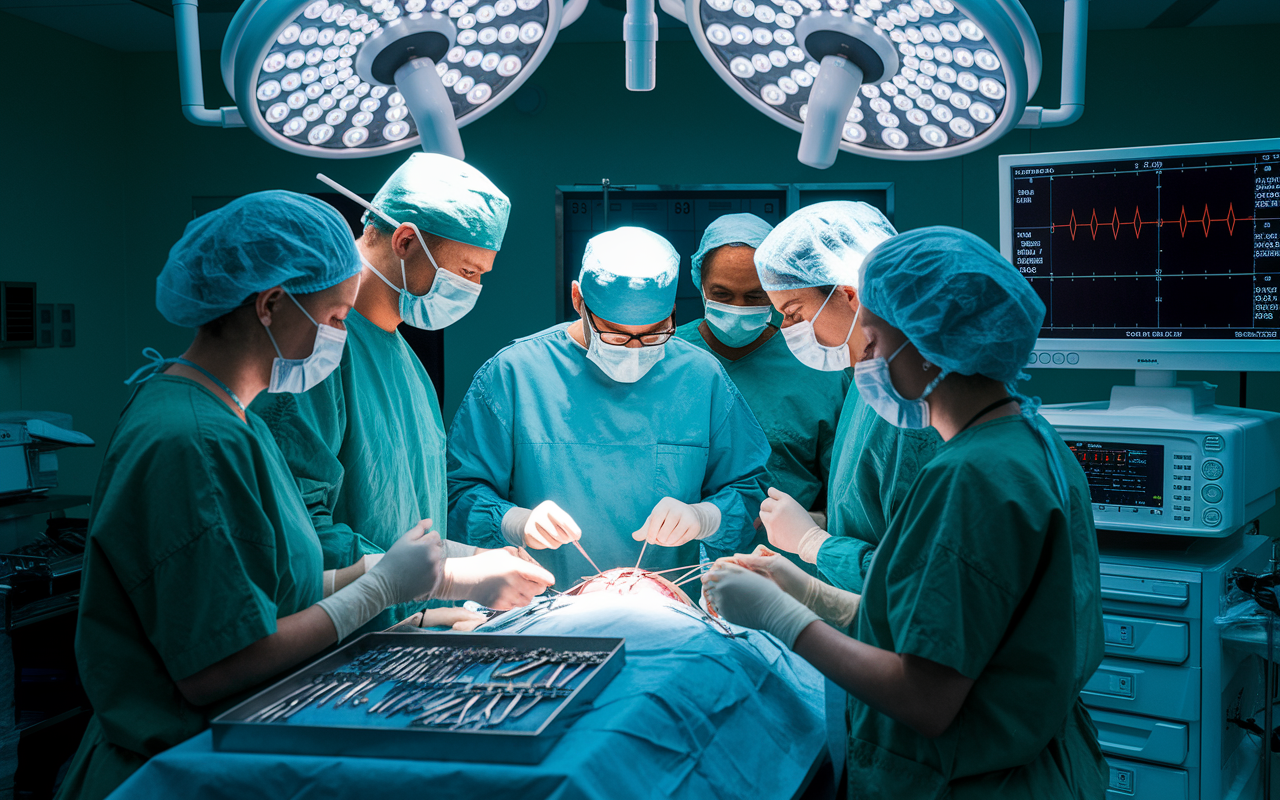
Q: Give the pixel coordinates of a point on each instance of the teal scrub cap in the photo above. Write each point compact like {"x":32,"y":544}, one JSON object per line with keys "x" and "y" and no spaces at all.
{"x":820,"y":245}
{"x":956,"y":299}
{"x":253,"y":243}
{"x":629,"y":276}
{"x":745,"y":229}
{"x":445,"y":197}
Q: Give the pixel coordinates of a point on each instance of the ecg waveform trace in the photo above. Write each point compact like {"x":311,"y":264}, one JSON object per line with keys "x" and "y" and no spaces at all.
{"x":1115,"y":223}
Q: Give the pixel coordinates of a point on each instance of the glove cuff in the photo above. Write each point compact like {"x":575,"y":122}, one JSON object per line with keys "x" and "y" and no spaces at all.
{"x":513,"y":523}
{"x":786,"y":617}
{"x":444,"y":587}
{"x":836,"y":606}
{"x":811,"y":543}
{"x":708,"y":519}
{"x":357,"y":603}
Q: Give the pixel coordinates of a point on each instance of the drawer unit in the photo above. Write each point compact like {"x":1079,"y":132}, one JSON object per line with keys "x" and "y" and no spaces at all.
{"x":1129,"y":736}
{"x":1164,"y":695}
{"x":1135,"y":687}
{"x":1133,"y":780}
{"x":1146,"y":639}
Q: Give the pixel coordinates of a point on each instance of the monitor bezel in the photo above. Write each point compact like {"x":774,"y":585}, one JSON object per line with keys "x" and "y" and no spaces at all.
{"x":1180,"y":354}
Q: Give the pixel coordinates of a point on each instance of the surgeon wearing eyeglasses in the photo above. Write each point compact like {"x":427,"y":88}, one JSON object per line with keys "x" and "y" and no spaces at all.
{"x":608,"y":431}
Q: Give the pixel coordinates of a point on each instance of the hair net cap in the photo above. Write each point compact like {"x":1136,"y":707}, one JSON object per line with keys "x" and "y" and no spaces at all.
{"x":820,"y":245}
{"x":251,"y":244}
{"x":747,"y":229}
{"x":445,"y":197}
{"x":629,"y":276}
{"x":956,"y":299}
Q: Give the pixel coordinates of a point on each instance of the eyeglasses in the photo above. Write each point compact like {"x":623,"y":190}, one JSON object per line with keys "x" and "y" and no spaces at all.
{"x":619,"y":339}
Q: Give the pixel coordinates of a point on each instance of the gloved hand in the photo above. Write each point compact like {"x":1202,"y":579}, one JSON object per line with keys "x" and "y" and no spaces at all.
{"x":790,"y":527}
{"x":457,"y":618}
{"x":672,"y":523}
{"x":500,"y":579}
{"x":753,"y":601}
{"x":545,"y":527}
{"x":408,"y":571}
{"x":836,"y":606}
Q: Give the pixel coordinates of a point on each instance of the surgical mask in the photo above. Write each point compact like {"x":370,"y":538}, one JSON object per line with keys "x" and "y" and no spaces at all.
{"x":621,"y":363}
{"x":876,"y":388}
{"x":300,"y":374}
{"x":449,"y":299}
{"x":737,"y":326}
{"x":804,"y":344}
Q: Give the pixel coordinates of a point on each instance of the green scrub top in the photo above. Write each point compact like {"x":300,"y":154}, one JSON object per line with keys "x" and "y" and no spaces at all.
{"x":875,"y":464}
{"x":198,"y":542}
{"x":542,"y":422}
{"x":367,"y":448}
{"x":798,"y":408}
{"x":985,"y":571}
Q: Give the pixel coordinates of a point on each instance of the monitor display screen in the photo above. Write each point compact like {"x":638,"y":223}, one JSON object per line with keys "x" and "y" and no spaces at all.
{"x":1122,"y":474}
{"x":1159,"y":248}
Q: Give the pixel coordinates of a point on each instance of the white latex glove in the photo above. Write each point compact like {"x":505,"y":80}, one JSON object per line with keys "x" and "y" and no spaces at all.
{"x":753,"y":601}
{"x":500,"y":579}
{"x":459,"y":619}
{"x":673,"y":523}
{"x":408,"y":571}
{"x":790,"y":527}
{"x":835,"y":606}
{"x":545,"y":527}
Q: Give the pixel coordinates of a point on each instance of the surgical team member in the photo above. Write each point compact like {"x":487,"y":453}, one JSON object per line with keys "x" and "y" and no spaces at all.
{"x":979,"y":621}
{"x":809,"y":267}
{"x":367,"y":445}
{"x":202,"y":573}
{"x":798,"y":407}
{"x":609,"y":430}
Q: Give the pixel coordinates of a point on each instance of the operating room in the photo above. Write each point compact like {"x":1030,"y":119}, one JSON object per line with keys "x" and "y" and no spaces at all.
{"x":724,"y":309}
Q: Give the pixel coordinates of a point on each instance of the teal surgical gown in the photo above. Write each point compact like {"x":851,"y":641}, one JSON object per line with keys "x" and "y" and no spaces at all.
{"x":541,"y":422}
{"x":984,"y":570}
{"x":198,"y":542}
{"x":367,"y":448}
{"x":873,"y":466}
{"x":797,"y":407}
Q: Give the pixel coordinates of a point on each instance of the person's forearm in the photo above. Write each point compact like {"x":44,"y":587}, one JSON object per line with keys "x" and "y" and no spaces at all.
{"x":298,"y":637}
{"x":924,"y":699}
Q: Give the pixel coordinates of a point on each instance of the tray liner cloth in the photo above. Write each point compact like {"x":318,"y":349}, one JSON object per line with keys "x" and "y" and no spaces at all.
{"x":692,"y":714}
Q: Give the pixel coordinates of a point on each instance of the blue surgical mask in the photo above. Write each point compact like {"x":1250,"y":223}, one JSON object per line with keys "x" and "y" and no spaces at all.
{"x":450,"y":298}
{"x":804,"y":344}
{"x":300,"y":374}
{"x":877,"y":389}
{"x":621,"y":363}
{"x":737,"y":326}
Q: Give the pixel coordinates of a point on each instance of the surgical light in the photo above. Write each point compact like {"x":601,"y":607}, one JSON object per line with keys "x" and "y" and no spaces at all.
{"x":939,"y":78}
{"x":445,"y":63}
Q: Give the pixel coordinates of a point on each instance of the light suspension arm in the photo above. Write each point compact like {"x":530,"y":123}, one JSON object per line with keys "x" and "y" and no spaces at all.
{"x":1075,"y":36}
{"x":640,"y":32}
{"x":190,"y":76}
{"x":428,"y":101}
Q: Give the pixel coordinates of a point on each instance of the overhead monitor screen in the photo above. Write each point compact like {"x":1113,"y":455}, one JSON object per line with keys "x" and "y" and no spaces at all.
{"x":1175,"y":248}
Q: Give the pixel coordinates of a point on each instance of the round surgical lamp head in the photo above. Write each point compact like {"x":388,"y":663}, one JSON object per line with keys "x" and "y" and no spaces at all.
{"x":370,"y":77}
{"x":908,"y":79}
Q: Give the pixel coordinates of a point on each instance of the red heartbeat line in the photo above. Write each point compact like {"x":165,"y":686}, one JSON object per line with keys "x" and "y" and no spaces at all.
{"x":1182,"y":222}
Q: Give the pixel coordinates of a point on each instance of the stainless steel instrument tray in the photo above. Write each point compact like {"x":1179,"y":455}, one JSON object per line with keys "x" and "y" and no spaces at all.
{"x":353,"y":731}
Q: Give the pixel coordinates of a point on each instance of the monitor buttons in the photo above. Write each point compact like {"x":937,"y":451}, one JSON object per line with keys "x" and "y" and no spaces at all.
{"x":1211,"y":516}
{"x":1213,"y":444}
{"x":1059,"y":358}
{"x":1212,"y":493}
{"x":1073,"y":358}
{"x":1212,"y":470}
